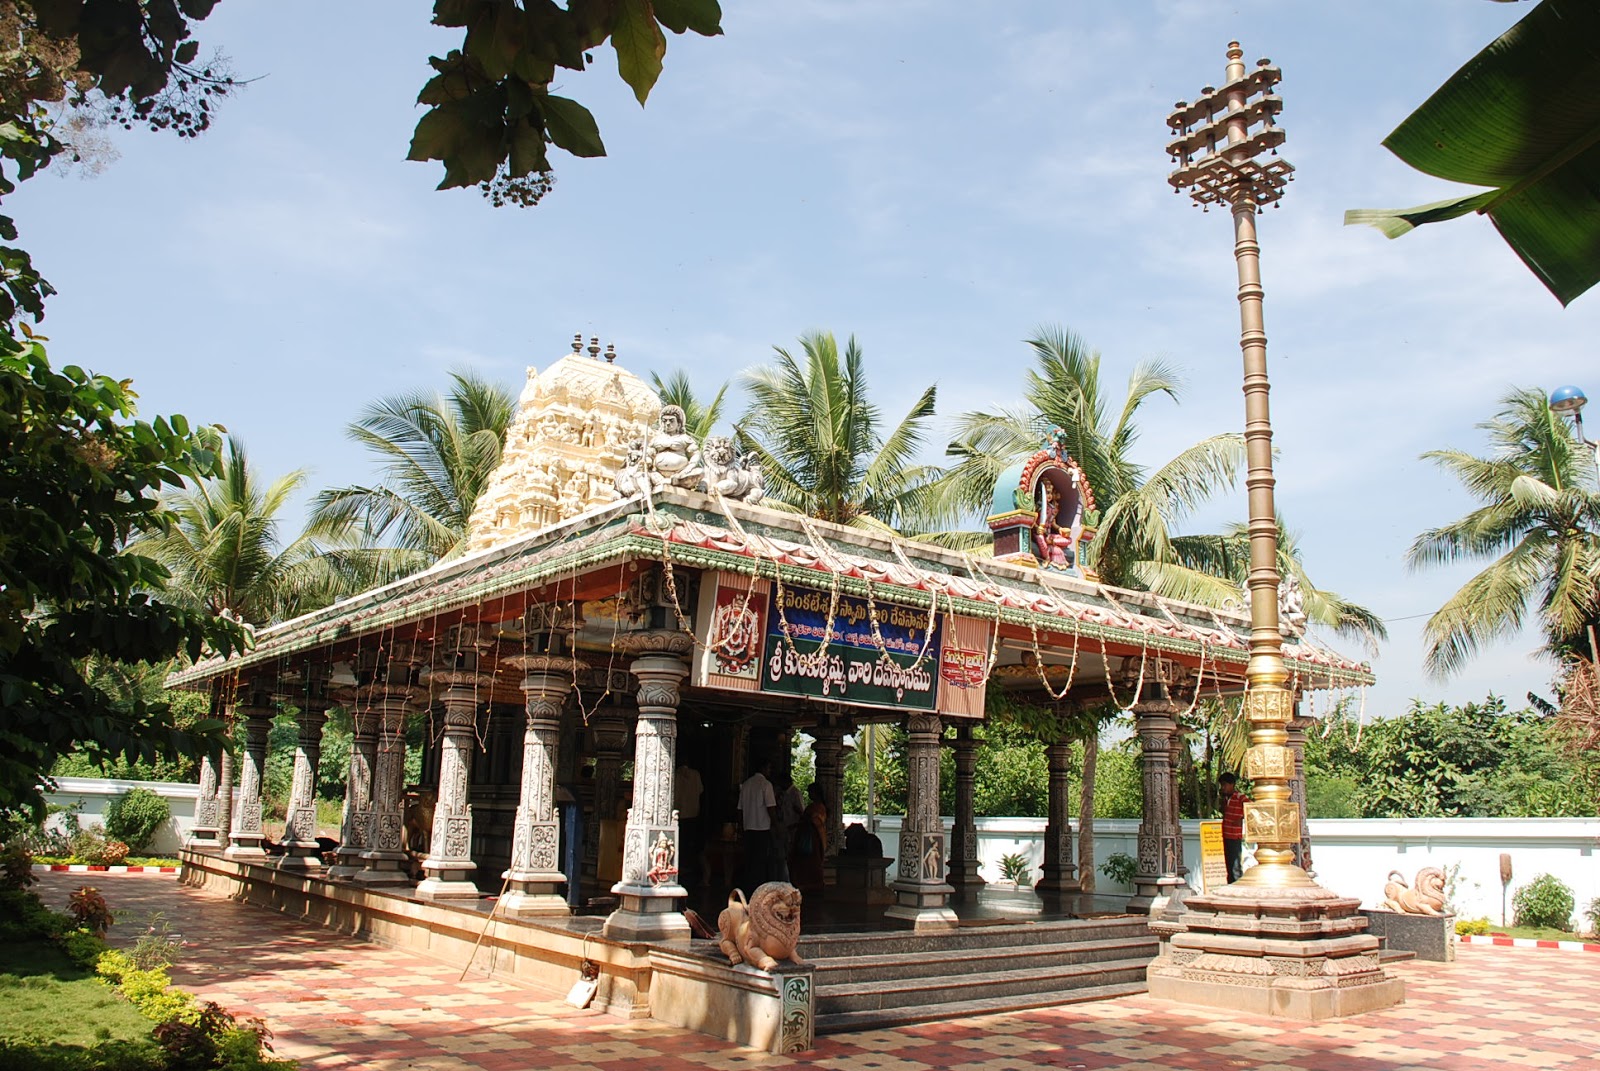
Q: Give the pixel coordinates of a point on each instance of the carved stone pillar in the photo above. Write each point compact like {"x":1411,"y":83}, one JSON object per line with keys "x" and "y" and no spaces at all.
{"x":384,"y":862}
{"x":610,"y":730}
{"x":1060,"y":872}
{"x":245,"y":836}
{"x":1296,"y":728}
{"x":206,"y":832}
{"x":449,"y":866}
{"x":827,"y":743}
{"x":649,"y":887}
{"x":224,"y":796}
{"x":536,"y":834}
{"x":1175,"y":745}
{"x":921,"y":893}
{"x":1160,"y":842}
{"x":357,"y":787}
{"x":309,"y":691}
{"x":964,"y":836}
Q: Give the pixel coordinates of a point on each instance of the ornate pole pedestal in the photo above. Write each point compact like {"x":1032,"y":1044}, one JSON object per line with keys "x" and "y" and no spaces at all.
{"x":393,"y":695}
{"x":649,"y":887}
{"x":465,"y":687}
{"x":1060,"y":874}
{"x":1160,"y":838}
{"x":307,"y":690}
{"x":205,"y":834}
{"x":964,"y":872}
{"x":1295,"y":740}
{"x":1274,"y":942}
{"x":245,"y":836}
{"x":922,"y":897}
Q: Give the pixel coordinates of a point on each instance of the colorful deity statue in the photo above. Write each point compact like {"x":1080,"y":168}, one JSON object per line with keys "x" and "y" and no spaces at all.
{"x":1043,"y":507}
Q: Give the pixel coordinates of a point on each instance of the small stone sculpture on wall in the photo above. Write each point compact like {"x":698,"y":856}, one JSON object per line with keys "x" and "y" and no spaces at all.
{"x":764,"y":930}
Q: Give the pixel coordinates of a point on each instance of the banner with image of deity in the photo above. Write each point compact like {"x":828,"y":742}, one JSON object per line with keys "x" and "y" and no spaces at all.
{"x":894,"y":663}
{"x":733,"y":631}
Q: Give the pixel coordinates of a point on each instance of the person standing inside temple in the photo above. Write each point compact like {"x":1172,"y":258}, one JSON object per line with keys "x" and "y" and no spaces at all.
{"x":1233,"y":802}
{"x":758,"y":810}
{"x":791,"y":807}
{"x":687,"y":790}
{"x":810,"y":845}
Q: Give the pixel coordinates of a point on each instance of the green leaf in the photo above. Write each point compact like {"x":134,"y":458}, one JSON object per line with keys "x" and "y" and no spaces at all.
{"x":639,"y":45}
{"x":437,"y":133}
{"x":702,"y":16}
{"x":1394,"y":222}
{"x":1522,"y":116}
{"x":527,"y":150}
{"x":572,"y":127}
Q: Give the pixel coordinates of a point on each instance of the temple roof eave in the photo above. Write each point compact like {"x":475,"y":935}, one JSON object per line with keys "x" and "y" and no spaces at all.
{"x":694,"y":530}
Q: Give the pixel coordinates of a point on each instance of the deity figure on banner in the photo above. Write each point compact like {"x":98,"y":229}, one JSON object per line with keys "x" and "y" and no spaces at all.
{"x":736,"y":638}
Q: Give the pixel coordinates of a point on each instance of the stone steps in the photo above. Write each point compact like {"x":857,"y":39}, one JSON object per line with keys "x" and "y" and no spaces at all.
{"x":872,"y":980}
{"x":845,"y":1022}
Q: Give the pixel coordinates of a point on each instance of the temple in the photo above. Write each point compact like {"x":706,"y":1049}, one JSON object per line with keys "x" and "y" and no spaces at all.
{"x":627,"y":607}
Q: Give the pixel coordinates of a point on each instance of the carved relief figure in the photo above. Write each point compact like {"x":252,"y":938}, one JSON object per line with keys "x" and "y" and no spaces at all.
{"x":764,"y":930}
{"x":663,"y":861}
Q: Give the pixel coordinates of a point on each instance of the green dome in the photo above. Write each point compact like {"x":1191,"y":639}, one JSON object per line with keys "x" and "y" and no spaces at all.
{"x":1006,"y":498}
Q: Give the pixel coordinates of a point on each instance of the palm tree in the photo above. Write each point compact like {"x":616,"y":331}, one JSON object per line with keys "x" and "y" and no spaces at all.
{"x":224,"y":553}
{"x":819,"y":440}
{"x":1537,"y":522}
{"x":700,"y":418}
{"x":437,"y":455}
{"x":1134,"y":545}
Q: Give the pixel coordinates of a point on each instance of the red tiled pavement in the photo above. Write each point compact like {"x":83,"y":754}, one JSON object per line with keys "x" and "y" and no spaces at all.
{"x":334,"y":1002}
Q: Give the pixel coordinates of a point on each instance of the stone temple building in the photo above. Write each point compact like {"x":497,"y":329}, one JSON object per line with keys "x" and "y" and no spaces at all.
{"x":628,"y":607}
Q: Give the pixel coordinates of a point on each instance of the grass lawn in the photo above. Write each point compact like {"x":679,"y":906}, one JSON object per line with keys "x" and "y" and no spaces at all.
{"x":1538,"y":933}
{"x":55,"y":1016}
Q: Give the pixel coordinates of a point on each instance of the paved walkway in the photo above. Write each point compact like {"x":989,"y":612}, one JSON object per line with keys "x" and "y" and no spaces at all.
{"x":334,"y":1002}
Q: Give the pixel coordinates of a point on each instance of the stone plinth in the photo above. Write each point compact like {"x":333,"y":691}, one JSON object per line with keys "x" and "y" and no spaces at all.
{"x":1294,"y":953}
{"x":775,"y":1012}
{"x":1431,"y":937}
{"x":862,"y":879}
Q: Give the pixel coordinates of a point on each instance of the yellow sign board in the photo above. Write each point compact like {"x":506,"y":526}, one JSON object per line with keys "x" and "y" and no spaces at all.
{"x":1213,"y":862}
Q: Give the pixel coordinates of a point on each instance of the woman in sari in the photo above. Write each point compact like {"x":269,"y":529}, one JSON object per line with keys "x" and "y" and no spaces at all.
{"x":810,"y":844}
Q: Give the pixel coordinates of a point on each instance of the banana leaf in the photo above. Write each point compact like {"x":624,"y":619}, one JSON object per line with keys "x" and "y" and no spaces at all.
{"x":1522,"y":118}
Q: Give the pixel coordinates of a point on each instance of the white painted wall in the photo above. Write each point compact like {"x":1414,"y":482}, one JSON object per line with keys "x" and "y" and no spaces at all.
{"x":96,"y":794}
{"x":1354,"y":856}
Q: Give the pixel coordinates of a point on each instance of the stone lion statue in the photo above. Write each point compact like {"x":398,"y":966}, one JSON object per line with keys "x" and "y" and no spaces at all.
{"x":727,"y":474}
{"x":1426,"y":897}
{"x":764,"y":930}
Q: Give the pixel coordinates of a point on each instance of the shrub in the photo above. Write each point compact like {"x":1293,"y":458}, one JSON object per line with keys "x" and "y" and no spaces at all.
{"x":1475,"y":927}
{"x":113,"y":852}
{"x":157,"y":946}
{"x":1592,"y":913}
{"x":16,"y":866}
{"x":1014,"y":867}
{"x":1120,"y":868}
{"x":146,"y":990}
{"x":82,"y":947}
{"x":89,"y":910}
{"x":136,"y":818}
{"x":23,"y":917}
{"x":1544,"y":901}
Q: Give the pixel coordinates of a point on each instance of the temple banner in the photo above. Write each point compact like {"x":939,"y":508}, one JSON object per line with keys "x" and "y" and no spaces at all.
{"x":1213,"y":860}
{"x":749,"y":642}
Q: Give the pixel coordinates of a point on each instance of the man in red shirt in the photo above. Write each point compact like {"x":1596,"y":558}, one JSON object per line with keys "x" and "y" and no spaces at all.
{"x":1233,"y":802}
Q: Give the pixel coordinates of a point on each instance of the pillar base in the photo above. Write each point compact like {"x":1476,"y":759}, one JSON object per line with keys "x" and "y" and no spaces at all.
{"x":381,"y":868}
{"x":965,"y":876}
{"x":347,"y":867}
{"x":1299,"y":952}
{"x":647,"y":914}
{"x":246,"y":852}
{"x":1153,"y":896}
{"x":1059,"y":885}
{"x":448,"y":887}
{"x":532,"y":903}
{"x":300,"y":859}
{"x":925,"y":907}
{"x":202,"y":841}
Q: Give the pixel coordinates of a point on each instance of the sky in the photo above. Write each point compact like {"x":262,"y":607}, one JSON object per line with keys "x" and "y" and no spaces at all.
{"x":937,"y":178}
